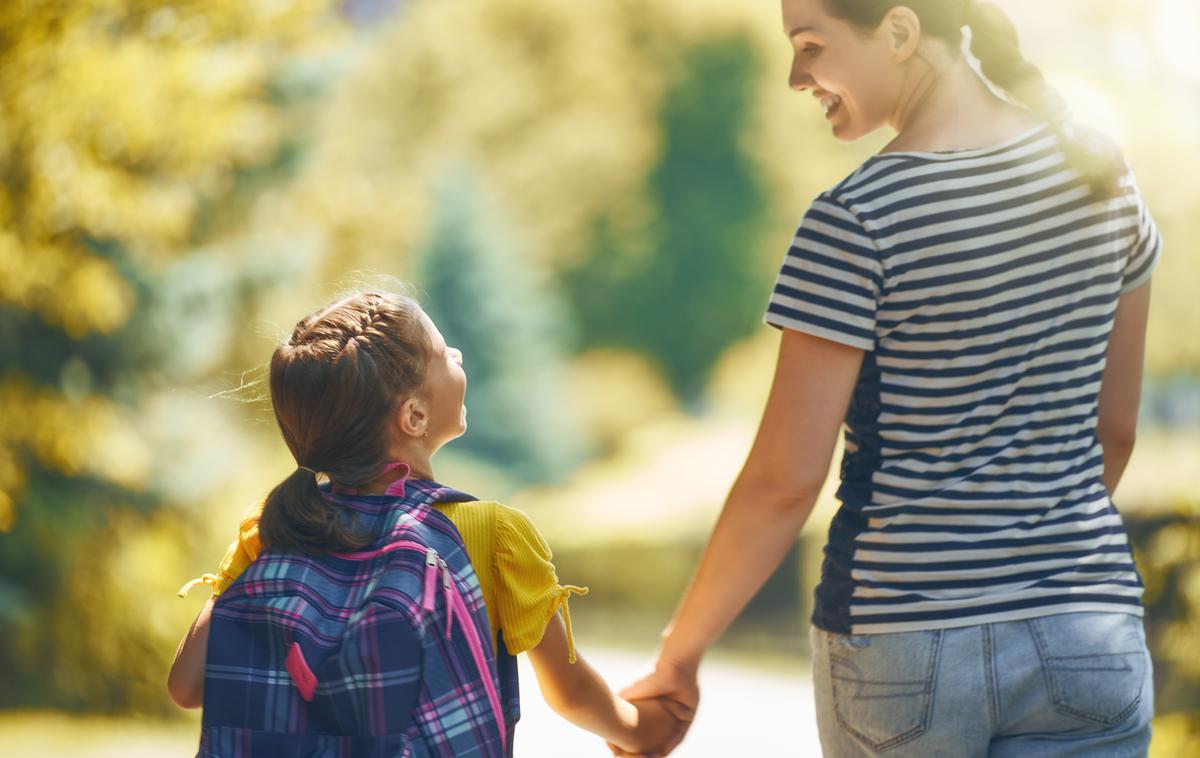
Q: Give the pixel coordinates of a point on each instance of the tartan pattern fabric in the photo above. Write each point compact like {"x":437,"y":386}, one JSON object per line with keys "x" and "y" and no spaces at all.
{"x":392,"y":678}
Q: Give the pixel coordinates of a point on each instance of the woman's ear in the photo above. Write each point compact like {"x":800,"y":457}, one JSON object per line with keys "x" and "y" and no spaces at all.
{"x":903,"y":29}
{"x":412,"y":418}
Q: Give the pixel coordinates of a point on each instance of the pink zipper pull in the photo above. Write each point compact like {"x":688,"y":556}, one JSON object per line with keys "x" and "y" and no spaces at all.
{"x":447,"y":589}
{"x":429,"y":597}
{"x":456,"y":605}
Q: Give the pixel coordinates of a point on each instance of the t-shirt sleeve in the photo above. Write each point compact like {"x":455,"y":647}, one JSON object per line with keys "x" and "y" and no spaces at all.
{"x":830,"y":280}
{"x":528,"y":592}
{"x":1147,"y":246}
{"x":238,"y":556}
{"x":242,"y":551}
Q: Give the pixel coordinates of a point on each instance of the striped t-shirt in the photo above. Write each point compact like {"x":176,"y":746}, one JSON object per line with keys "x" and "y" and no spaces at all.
{"x":982,"y":285}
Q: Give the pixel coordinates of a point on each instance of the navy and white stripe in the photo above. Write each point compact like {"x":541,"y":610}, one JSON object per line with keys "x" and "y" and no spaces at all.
{"x":982,"y":285}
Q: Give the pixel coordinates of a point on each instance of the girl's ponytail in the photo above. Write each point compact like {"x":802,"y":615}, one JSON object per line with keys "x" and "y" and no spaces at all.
{"x":994,"y":42}
{"x":297,"y":516}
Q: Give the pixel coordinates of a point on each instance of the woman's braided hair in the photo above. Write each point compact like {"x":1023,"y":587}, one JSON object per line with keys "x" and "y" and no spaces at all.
{"x":995,"y":44}
{"x":334,"y":384}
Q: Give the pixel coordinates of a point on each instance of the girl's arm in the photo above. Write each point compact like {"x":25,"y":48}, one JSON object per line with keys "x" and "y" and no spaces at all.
{"x":1121,"y":387}
{"x":577,"y":693}
{"x":185,"y":683}
{"x":766,"y":507}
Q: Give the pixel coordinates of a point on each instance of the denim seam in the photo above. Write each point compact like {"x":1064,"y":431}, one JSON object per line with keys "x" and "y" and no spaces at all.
{"x":1097,"y":655}
{"x":928,"y":692}
{"x":989,"y":669}
{"x":1056,"y":693}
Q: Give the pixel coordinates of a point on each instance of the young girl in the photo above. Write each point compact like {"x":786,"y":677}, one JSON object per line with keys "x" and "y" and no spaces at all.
{"x":971,"y":305}
{"x":365,"y":392}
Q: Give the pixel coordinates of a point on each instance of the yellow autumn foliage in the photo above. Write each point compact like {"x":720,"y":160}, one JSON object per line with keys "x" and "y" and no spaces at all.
{"x":118,"y":117}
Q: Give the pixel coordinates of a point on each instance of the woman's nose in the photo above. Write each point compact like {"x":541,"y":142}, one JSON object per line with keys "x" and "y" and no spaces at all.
{"x":799,"y":78}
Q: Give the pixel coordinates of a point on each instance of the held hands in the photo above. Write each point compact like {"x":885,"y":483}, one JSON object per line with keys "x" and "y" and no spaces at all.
{"x":656,"y":727}
{"x":667,"y":697}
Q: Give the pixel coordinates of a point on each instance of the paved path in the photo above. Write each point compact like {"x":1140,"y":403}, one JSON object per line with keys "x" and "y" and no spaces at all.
{"x":743,"y":712}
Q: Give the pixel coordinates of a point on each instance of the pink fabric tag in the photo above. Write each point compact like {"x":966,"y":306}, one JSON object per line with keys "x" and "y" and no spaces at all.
{"x":302,"y":675}
{"x":397,"y":487}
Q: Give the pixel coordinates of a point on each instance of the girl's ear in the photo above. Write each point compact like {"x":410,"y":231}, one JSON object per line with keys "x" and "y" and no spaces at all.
{"x":903,"y":29}
{"x":412,"y":417}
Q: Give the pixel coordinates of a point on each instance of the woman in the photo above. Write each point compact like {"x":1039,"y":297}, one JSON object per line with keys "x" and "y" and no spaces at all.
{"x":971,"y":303}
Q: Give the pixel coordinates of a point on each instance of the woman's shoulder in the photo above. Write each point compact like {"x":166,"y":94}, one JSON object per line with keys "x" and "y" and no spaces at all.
{"x":877,"y":171}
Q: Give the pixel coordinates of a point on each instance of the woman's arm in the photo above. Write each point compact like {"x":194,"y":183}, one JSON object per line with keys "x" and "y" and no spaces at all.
{"x":765,"y":509}
{"x":773,"y":495}
{"x":1121,"y":387}
{"x":580,"y":695}
{"x":185,"y":683}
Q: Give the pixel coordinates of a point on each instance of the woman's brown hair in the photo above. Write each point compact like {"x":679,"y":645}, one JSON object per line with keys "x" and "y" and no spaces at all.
{"x":334,"y":385}
{"x":994,"y":42}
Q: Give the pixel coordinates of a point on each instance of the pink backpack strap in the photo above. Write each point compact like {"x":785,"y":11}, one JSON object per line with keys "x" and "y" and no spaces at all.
{"x":456,"y":610}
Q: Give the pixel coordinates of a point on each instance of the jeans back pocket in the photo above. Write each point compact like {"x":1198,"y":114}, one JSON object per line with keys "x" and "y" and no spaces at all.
{"x":883,"y":685}
{"x":1094,"y":663}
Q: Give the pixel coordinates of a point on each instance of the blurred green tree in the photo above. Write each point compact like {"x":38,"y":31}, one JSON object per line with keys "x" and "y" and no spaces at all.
{"x":130,"y":133}
{"x":634,"y":141}
{"x":512,"y":330}
{"x":689,"y":285}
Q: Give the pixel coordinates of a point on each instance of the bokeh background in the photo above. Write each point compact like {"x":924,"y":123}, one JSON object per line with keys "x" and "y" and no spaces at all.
{"x":590,"y":196}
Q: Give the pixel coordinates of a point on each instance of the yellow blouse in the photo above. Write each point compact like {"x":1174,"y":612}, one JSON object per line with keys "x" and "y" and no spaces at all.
{"x":520,"y":586}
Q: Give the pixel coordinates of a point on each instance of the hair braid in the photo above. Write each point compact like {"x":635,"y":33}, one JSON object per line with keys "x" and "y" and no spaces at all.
{"x":994,"y":42}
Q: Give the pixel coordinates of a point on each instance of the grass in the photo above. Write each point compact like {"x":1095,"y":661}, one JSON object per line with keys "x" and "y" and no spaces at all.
{"x":45,"y":734}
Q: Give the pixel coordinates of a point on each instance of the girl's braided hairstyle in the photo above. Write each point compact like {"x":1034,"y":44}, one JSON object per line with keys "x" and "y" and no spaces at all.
{"x":334,"y":385}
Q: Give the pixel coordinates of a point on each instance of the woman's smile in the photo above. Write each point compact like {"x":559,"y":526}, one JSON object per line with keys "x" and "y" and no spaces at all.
{"x":830,"y":104}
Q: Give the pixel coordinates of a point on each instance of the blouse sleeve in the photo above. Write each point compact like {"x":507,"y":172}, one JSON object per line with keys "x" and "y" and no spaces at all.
{"x":528,"y":593}
{"x":830,"y":280}
{"x":1147,"y":245}
{"x":238,"y":556}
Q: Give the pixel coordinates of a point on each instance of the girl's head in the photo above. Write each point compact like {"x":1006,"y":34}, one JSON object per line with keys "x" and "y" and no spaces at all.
{"x":360,"y":383}
{"x":860,"y":57}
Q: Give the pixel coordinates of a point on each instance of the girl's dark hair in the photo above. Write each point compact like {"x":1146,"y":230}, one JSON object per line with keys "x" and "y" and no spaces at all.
{"x":334,"y":384}
{"x":994,"y":42}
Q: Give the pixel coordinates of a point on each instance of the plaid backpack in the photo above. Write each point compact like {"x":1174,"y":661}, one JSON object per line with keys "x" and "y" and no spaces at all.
{"x":383,"y":652}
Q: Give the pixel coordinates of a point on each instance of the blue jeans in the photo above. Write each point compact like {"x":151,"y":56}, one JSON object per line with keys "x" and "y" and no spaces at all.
{"x":1075,"y":684}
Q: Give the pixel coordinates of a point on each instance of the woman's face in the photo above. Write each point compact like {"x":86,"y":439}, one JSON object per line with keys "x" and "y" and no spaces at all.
{"x":853,"y":74}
